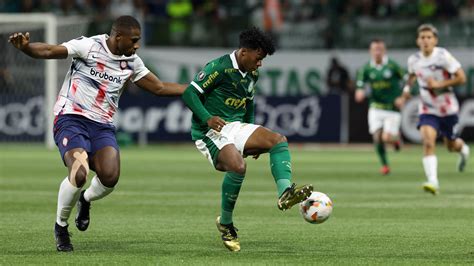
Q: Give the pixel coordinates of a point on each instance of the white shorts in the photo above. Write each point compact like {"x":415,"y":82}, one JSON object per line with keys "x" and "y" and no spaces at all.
{"x":236,"y":133}
{"x":388,"y":121}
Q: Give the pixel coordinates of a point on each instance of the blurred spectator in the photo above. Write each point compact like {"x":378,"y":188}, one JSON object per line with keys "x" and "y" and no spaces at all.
{"x":427,"y":9}
{"x":126,"y":7}
{"x":272,"y":18}
{"x":205,"y":21}
{"x":46,"y":6}
{"x":10,"y":6}
{"x":383,"y":8}
{"x":27,"y":6}
{"x":337,"y":78}
{"x":446,"y":9}
{"x":179,"y":12}
{"x":68,"y":8}
{"x":156,"y":8}
{"x":467,"y":10}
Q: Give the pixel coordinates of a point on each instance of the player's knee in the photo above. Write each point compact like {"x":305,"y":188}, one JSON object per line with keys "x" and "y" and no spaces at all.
{"x":451,"y":145}
{"x":428,"y":144}
{"x":79,"y":177}
{"x":239,"y":167}
{"x":109,"y":177}
{"x":278,"y":139}
{"x":79,"y":169}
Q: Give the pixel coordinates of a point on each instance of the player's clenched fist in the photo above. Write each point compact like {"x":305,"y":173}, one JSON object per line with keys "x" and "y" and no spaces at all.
{"x":19,"y":40}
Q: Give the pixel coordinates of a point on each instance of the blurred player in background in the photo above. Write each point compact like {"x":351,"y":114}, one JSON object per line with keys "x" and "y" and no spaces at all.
{"x":436,"y":71}
{"x":85,"y":107}
{"x":383,"y":76}
{"x":221,"y":98}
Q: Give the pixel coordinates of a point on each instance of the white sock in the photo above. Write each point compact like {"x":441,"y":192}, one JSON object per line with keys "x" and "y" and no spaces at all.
{"x":67,"y":197}
{"x":430,"y":164}
{"x":96,"y":190}
{"x":465,"y":150}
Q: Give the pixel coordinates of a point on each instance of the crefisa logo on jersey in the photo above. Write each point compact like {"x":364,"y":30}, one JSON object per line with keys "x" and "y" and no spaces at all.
{"x":123,"y":65}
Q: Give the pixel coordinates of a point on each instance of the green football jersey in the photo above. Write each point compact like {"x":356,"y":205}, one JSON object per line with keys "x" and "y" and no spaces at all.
{"x":225,"y":91}
{"x":384,"y":81}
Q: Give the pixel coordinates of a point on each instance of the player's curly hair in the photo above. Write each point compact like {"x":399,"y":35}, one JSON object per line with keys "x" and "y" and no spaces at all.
{"x":254,"y":38}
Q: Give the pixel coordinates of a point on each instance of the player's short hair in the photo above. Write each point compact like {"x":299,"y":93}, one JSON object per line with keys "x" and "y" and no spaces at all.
{"x":125,"y":23}
{"x":376,"y":40}
{"x":427,"y":27}
{"x":254,"y":38}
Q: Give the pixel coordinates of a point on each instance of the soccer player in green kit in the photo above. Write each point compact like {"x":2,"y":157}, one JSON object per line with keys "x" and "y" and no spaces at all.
{"x":383,"y":76}
{"x":221,"y":99}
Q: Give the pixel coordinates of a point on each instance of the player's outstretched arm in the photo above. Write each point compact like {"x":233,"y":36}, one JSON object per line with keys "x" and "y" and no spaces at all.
{"x":153,"y":84}
{"x":459,"y":78}
{"x":37,"y":49}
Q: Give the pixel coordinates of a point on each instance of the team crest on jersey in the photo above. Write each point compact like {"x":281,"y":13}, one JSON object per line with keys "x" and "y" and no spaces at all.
{"x":201,"y":75}
{"x":123,"y":65}
{"x":372,"y":75}
{"x":65,"y":141}
{"x":387,"y":74}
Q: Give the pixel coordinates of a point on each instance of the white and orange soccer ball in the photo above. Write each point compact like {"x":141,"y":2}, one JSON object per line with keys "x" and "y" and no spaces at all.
{"x":317,"y":208}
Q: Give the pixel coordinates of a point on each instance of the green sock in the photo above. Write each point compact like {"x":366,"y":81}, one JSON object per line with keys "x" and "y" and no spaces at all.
{"x":230,"y":191}
{"x":280,"y":164}
{"x":380,"y":149}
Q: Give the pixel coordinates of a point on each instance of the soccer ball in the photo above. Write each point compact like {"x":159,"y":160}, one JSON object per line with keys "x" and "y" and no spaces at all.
{"x":317,"y":208}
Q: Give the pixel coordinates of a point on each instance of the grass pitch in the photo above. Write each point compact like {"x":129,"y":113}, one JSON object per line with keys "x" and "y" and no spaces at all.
{"x":163,"y":211}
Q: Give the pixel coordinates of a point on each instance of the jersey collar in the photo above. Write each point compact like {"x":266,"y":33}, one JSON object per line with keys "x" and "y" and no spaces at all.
{"x":384,"y":62}
{"x":234,"y":63}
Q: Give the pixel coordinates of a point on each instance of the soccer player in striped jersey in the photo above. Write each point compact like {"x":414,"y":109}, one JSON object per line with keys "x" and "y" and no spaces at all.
{"x":436,"y":71}
{"x":85,"y":108}
{"x":384,"y":78}
{"x":221,"y":98}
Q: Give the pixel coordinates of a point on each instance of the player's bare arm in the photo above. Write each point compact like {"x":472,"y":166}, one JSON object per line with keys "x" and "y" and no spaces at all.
{"x":153,"y":84}
{"x":400,"y":101}
{"x":359,"y":95}
{"x":37,"y":49}
{"x":459,"y":78}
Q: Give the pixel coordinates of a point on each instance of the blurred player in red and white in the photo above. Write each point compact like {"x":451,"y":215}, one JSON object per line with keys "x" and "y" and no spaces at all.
{"x":436,"y":71}
{"x":83,"y":127}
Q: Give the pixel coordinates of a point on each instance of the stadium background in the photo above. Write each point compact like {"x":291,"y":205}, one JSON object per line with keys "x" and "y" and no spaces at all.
{"x":305,"y":90}
{"x":163,"y":210}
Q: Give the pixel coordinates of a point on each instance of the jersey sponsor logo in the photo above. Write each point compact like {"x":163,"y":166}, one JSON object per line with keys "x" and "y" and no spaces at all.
{"x":210,"y":79}
{"x":382,"y":84}
{"x":104,"y":75}
{"x":236,"y":103}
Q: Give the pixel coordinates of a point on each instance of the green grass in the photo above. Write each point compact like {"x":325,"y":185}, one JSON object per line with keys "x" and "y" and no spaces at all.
{"x":163,"y":211}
